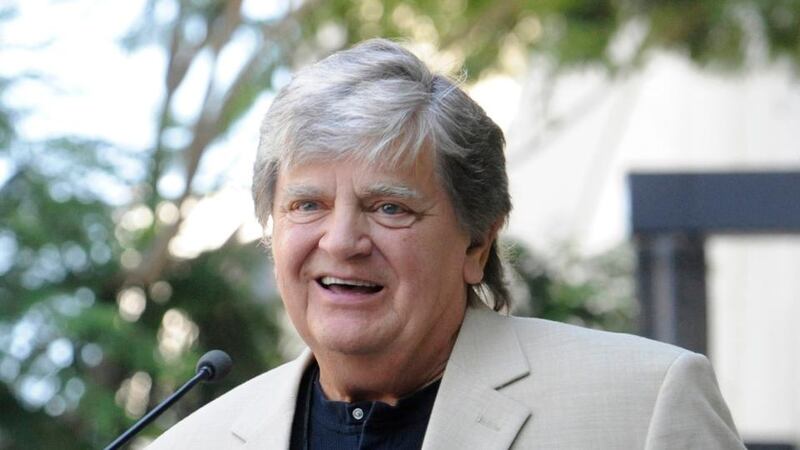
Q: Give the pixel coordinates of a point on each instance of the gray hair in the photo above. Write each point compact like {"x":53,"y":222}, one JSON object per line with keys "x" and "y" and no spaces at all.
{"x":379,"y":103}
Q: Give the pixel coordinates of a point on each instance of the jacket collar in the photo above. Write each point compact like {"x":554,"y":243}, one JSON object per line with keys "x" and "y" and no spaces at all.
{"x":469,"y":412}
{"x":265,"y":420}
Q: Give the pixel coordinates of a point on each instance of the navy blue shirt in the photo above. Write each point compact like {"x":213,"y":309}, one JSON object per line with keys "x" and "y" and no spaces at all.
{"x":320,"y":423}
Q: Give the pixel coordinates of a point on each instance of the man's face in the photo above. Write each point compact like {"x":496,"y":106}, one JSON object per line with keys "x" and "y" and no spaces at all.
{"x":368,"y":259}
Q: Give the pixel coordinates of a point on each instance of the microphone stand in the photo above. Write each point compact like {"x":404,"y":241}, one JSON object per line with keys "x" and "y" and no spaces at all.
{"x":203,"y":373}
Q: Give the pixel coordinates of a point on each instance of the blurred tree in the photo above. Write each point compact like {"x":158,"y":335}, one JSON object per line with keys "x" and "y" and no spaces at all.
{"x":99,"y":320}
{"x":77,"y":341}
{"x":595,"y":292}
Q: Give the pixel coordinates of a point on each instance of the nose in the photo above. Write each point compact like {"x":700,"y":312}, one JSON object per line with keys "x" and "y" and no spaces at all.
{"x":346,"y":235}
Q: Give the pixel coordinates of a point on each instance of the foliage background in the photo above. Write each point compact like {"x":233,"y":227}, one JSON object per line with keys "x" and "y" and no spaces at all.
{"x":99,"y":319}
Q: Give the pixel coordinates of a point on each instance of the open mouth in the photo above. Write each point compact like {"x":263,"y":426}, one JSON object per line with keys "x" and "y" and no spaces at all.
{"x":340,"y":285}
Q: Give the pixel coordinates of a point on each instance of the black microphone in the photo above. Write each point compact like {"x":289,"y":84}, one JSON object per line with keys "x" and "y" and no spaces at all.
{"x":212,"y":367}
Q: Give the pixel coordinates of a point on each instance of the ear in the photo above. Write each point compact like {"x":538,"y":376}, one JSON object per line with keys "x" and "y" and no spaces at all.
{"x":478,"y":254}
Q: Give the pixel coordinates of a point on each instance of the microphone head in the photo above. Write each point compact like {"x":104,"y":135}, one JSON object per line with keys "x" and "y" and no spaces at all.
{"x":217,"y":362}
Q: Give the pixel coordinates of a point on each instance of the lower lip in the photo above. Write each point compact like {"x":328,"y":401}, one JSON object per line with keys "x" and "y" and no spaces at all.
{"x":346,"y":297}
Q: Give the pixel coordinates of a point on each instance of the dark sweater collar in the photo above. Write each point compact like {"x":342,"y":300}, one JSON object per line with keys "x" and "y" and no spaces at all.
{"x":415,"y":407}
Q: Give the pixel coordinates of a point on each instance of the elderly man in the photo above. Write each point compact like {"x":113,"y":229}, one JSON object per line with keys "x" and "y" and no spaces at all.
{"x":386,"y":185}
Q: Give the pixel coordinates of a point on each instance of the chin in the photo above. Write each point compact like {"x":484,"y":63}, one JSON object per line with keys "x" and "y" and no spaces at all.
{"x":352,"y":334}
{"x":356,"y":343}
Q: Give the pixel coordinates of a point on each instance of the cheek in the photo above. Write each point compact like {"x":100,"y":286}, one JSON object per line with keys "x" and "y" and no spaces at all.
{"x":290,"y":248}
{"x":423,"y":260}
{"x":443,"y":258}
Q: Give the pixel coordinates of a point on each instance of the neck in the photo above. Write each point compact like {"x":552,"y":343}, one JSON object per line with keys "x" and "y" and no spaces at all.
{"x":387,"y":376}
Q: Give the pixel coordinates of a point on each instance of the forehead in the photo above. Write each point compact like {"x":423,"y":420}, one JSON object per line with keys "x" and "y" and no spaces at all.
{"x":404,"y":178}
{"x":386,"y":156}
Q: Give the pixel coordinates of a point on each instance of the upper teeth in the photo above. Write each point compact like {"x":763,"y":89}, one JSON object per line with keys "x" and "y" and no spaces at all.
{"x":333,"y":280}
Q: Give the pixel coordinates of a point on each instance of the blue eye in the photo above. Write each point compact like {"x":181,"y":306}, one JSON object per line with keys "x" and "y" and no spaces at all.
{"x":305,"y":211}
{"x":307,"y":206}
{"x":393,"y":215}
{"x":390,"y":209}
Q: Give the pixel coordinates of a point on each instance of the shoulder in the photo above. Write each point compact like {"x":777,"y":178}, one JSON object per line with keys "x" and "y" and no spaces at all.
{"x":541,"y":338}
{"x":629,"y":366}
{"x":214,"y":425}
{"x":546,"y":343}
{"x":616,"y":390}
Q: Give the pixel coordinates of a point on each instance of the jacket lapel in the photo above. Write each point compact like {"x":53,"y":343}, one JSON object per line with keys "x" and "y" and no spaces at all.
{"x":470,"y":411}
{"x":265,"y":421}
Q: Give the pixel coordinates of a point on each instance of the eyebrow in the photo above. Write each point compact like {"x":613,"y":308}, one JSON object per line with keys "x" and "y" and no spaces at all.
{"x":391,"y":190}
{"x":302,"y":191}
{"x":375,"y":190}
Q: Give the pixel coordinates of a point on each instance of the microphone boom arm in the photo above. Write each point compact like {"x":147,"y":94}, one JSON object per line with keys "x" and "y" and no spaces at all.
{"x":203,"y":373}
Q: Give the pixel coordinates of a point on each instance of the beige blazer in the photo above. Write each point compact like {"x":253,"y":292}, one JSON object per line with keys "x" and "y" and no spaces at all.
{"x":512,"y":383}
